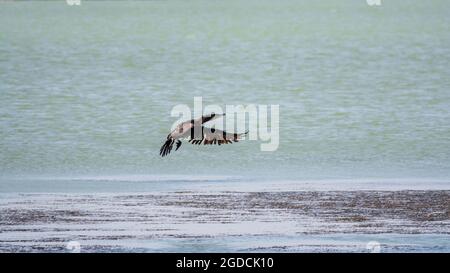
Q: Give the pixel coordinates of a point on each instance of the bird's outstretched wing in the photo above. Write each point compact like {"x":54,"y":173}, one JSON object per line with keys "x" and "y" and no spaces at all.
{"x":215,"y":136}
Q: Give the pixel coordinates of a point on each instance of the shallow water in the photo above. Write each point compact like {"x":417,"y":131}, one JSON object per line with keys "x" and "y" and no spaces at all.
{"x":363,"y":91}
{"x":207,"y":184}
{"x":189,"y":221}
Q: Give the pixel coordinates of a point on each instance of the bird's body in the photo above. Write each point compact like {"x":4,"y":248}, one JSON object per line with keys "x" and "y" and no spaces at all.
{"x":196,"y":133}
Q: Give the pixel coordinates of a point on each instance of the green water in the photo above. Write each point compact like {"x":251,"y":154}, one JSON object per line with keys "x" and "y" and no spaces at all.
{"x":363,"y":91}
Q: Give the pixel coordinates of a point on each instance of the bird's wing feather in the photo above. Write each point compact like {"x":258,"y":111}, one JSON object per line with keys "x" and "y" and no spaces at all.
{"x":216,"y":136}
{"x":167,"y":147}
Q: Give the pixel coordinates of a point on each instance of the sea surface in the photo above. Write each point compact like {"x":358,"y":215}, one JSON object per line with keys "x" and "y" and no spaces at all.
{"x":363,"y":90}
{"x":86,"y":94}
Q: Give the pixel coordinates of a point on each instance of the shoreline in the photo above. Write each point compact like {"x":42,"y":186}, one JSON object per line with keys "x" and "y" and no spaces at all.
{"x":136,"y":184}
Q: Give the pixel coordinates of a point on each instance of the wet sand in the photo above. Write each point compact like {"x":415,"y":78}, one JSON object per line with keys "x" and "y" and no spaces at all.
{"x":227,"y":221}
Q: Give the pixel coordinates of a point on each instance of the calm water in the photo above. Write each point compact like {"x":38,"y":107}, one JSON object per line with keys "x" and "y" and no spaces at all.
{"x":363,"y":91}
